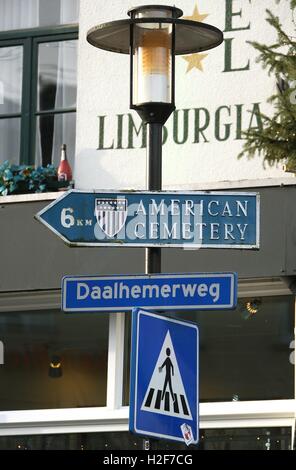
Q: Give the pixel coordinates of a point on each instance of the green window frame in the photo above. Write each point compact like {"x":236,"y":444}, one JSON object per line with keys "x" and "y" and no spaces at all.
{"x":30,"y":39}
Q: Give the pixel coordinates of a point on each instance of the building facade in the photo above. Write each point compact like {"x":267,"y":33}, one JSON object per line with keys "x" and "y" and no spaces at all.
{"x":65,"y":377}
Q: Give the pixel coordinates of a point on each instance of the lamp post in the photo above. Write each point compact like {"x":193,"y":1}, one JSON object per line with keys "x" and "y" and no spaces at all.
{"x":153,"y":36}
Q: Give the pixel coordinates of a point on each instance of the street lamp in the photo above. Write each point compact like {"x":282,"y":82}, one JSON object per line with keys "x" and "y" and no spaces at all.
{"x":153,"y":36}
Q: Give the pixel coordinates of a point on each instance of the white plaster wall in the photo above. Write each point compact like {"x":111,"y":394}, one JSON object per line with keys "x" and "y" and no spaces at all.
{"x":103,"y":89}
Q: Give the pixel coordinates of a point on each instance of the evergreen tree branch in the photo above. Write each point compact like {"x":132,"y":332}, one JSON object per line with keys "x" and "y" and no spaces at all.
{"x":275,"y":137}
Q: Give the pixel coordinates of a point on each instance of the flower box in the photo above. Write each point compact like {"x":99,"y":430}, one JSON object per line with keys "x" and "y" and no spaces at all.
{"x":25,"y":179}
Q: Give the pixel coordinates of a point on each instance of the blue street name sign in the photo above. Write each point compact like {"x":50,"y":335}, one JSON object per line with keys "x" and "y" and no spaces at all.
{"x":215,"y":291}
{"x":165,"y":219}
{"x":164,"y":399}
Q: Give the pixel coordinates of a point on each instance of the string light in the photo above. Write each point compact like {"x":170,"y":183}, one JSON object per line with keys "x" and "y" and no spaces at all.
{"x":253,"y":306}
{"x":252,"y":310}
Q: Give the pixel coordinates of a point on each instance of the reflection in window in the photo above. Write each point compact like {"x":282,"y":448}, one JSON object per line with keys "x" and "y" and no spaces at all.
{"x":21,"y":14}
{"x":210,"y":439}
{"x":53,"y":360}
{"x":57,"y":75}
{"x":244,"y":353}
{"x":52,"y":131}
{"x":246,"y":439}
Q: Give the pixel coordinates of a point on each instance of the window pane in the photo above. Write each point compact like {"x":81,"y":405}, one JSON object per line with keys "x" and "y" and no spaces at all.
{"x":20,"y":14}
{"x":53,"y":360}
{"x":210,"y":439}
{"x":53,"y":131}
{"x":57,"y":75}
{"x":11,"y":77}
{"x":10,"y":136}
{"x":245,"y":354}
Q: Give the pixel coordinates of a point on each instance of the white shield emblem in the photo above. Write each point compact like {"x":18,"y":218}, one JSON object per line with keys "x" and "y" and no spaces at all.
{"x":111,"y":214}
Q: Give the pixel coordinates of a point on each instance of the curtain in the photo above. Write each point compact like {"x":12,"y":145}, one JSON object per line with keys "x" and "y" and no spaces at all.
{"x":18,"y":14}
{"x":67,"y":75}
{"x":14,"y":14}
{"x":21,"y":14}
{"x":11,"y":68}
{"x":57,"y":79}
{"x":69,"y":11}
{"x":10,"y":131}
{"x":60,"y":129}
{"x":66,"y":97}
{"x":11,"y":62}
{"x":57,"y":90}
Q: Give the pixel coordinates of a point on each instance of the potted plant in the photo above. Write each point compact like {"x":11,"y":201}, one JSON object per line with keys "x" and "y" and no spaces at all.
{"x":22,"y":179}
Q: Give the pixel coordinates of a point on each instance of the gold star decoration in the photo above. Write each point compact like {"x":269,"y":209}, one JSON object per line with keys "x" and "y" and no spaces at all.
{"x":196,"y":16}
{"x":195,"y":60}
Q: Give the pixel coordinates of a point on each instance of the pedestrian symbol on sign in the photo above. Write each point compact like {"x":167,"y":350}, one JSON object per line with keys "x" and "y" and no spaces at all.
{"x":166,"y":393}
{"x":169,"y":368}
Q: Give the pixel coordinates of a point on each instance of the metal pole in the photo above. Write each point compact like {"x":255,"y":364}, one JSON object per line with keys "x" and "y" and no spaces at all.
{"x":154,"y":183}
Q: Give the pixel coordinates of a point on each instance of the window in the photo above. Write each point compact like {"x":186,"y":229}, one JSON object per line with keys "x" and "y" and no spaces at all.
{"x":38,"y":71}
{"x":73,"y":373}
{"x":245,"y":354}
{"x":53,"y":360}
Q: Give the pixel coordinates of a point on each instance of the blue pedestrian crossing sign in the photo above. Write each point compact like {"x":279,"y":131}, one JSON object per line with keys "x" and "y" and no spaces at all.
{"x":164,"y":377}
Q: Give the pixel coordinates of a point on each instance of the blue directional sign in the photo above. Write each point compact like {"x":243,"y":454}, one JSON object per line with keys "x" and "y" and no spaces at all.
{"x":165,"y":219}
{"x":164,"y":400}
{"x":155,"y":291}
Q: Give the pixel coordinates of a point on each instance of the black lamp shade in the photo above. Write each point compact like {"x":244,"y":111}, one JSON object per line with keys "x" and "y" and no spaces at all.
{"x":191,"y":36}
{"x":152,"y":37}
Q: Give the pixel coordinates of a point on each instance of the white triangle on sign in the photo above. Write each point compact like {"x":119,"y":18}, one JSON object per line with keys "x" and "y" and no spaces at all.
{"x":165,"y":393}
